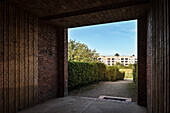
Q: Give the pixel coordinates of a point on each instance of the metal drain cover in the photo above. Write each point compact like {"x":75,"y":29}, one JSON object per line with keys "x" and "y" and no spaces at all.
{"x":117,"y":99}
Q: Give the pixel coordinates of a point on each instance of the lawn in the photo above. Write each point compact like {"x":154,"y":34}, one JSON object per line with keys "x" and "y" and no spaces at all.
{"x":133,"y":91}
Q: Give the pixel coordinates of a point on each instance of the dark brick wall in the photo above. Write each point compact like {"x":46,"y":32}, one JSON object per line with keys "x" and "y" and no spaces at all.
{"x":47,"y":61}
{"x":52,"y":59}
{"x":158,"y":57}
{"x":149,"y":61}
{"x":62,"y":62}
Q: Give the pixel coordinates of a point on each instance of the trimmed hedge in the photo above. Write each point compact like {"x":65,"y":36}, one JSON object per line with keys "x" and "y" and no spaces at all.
{"x":83,"y":73}
{"x":113,"y":73}
{"x":135,"y":73}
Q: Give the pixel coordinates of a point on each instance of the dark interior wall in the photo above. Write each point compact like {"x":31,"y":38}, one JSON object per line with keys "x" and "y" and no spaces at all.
{"x":47,"y":61}
{"x":18,"y":59}
{"x":29,"y":60}
{"x":62,"y":46}
{"x":158,"y":57}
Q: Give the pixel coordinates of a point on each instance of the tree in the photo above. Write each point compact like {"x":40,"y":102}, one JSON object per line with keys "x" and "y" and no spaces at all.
{"x":80,"y":52}
{"x":130,"y":66}
{"x":118,"y":64}
{"x":117,"y":54}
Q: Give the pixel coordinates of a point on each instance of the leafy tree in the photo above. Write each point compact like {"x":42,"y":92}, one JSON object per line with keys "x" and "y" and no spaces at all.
{"x":130,"y":66}
{"x":80,"y":52}
{"x":117,"y":64}
{"x":117,"y":54}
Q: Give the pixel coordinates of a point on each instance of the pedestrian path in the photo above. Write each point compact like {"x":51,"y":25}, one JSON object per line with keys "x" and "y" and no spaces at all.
{"x":117,"y":89}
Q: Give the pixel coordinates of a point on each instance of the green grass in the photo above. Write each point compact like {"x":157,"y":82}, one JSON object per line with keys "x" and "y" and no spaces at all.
{"x":133,"y":91}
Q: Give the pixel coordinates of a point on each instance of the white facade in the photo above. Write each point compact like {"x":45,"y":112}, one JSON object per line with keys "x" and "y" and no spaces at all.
{"x":123,"y":60}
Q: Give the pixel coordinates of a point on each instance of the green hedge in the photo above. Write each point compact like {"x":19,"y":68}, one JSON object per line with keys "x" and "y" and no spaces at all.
{"x":135,"y":73}
{"x":82,"y":73}
{"x":113,"y":73}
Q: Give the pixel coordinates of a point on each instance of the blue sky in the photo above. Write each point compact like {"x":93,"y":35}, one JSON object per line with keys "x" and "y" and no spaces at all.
{"x":108,"y":39}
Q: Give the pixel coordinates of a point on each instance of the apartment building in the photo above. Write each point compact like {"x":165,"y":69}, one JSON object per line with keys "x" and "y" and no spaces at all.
{"x":123,"y":60}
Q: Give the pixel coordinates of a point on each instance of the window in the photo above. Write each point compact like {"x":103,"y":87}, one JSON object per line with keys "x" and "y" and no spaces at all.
{"x":122,"y":61}
{"x":112,"y":61}
{"x":126,"y":61}
{"x":99,"y":58}
{"x":108,"y":61}
{"x":109,"y":64}
{"x":122,"y":58}
{"x":108,"y":58}
{"x":126,"y":58}
{"x":112,"y":58}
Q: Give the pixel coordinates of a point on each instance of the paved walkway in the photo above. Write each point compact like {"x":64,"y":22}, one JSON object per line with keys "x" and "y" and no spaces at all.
{"x":73,"y":104}
{"x":117,"y":89}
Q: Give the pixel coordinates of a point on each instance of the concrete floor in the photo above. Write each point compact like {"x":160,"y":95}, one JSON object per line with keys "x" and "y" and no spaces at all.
{"x":73,"y":104}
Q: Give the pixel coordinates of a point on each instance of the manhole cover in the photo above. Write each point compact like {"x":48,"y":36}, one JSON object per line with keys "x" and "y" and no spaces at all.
{"x":117,"y":99}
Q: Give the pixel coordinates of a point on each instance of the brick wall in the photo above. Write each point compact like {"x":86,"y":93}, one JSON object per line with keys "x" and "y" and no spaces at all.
{"x":149,"y":61}
{"x":158,"y":57}
{"x":52,"y":61}
{"x":47,"y":61}
{"x":62,"y":62}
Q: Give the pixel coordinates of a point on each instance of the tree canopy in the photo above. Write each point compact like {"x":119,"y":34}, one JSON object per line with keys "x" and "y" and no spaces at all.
{"x":117,"y":54}
{"x":80,"y":52}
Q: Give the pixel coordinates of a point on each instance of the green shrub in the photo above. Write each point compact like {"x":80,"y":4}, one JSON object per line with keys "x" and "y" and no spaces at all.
{"x":81,"y":73}
{"x":110,"y":73}
{"x":120,"y":75}
{"x":115,"y":73}
{"x":135,"y":73}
